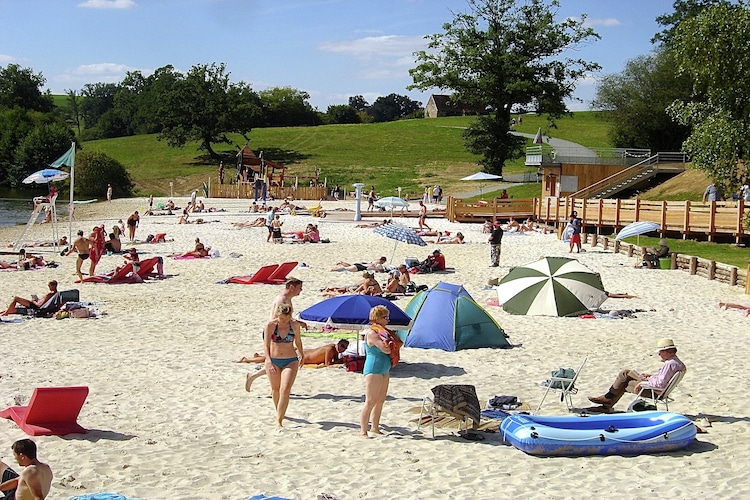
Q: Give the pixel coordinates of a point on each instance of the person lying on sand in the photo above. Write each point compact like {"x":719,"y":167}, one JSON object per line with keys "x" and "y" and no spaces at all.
{"x":729,"y":305}
{"x":613,"y":295}
{"x":326,"y":355}
{"x":448,"y":240}
{"x":374,"y":224}
{"x":199,"y":251}
{"x":375,"y":265}
{"x":259,"y":222}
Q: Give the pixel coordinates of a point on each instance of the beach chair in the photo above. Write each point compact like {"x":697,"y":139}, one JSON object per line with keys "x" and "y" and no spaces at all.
{"x":450,"y":404}
{"x":259,"y":277}
{"x":52,"y":411}
{"x":52,"y":305}
{"x":655,"y":395}
{"x":565,"y":386}
{"x":146,"y":268}
{"x":279,"y":276}
{"x":117,"y":276}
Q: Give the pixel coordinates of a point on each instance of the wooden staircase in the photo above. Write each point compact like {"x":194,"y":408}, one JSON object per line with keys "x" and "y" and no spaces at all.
{"x":631,"y":177}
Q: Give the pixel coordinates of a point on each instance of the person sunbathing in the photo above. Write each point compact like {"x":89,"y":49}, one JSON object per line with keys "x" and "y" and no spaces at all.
{"x":29,"y":261}
{"x":259,"y":222}
{"x":369,"y":285}
{"x":448,"y":240}
{"x":397,"y":283}
{"x":729,"y":305}
{"x":34,"y":302}
{"x":372,"y":225}
{"x":375,"y":265}
{"x":198,"y":252}
{"x":512,"y":225}
{"x":326,"y":355}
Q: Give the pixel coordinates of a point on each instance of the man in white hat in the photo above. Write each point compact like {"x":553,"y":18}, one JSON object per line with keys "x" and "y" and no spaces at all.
{"x":630,"y":380}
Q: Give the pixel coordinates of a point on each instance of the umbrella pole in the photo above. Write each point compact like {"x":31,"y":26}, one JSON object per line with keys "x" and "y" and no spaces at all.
{"x":393,"y":252}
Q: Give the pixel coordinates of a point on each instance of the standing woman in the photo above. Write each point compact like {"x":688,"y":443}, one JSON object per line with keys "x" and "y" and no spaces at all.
{"x":132,"y":224}
{"x":381,"y":346}
{"x":283,"y":350}
{"x":96,"y":248}
{"x":371,"y":199}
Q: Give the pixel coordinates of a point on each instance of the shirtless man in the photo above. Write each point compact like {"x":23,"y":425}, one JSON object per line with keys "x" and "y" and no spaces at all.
{"x":36,"y":479}
{"x":292,"y":288}
{"x":375,"y":265}
{"x":398,"y":284}
{"x":32,"y":303}
{"x":82,"y":245}
{"x":326,"y":355}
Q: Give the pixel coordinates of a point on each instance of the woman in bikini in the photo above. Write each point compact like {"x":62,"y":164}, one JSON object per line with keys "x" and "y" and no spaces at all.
{"x":283,"y":352}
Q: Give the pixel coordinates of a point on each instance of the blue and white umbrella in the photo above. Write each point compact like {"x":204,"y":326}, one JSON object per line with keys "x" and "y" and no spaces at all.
{"x":400,"y":233}
{"x":353,"y":312}
{"x":46,"y":175}
{"x":392,"y":202}
{"x":636,"y":229}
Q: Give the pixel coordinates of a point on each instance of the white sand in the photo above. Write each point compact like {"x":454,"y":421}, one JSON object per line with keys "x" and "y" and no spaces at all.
{"x":169,"y":417}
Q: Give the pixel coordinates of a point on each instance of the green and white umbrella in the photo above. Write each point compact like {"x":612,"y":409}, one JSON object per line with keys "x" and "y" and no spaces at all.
{"x":552,"y":286}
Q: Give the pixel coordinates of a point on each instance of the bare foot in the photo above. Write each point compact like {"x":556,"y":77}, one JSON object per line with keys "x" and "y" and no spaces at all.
{"x":376,"y":431}
{"x":248,"y":382}
{"x":364,"y":435}
{"x":722,"y":305}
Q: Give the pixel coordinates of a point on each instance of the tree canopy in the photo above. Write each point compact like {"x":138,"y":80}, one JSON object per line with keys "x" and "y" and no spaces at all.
{"x":710,"y":49}
{"x":502,"y":55}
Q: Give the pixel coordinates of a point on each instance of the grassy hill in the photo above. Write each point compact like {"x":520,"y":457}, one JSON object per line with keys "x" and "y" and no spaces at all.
{"x":408,"y":153}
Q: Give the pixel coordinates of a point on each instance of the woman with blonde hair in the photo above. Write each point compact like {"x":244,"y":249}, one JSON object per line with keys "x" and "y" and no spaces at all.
{"x":284,"y":354}
{"x":382,"y":348}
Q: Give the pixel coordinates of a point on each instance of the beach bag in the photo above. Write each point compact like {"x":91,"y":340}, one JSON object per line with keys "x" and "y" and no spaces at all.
{"x":567,"y":373}
{"x":354,"y":363}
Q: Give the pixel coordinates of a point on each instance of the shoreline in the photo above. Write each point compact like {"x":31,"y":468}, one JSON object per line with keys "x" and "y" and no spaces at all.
{"x":169,"y":417}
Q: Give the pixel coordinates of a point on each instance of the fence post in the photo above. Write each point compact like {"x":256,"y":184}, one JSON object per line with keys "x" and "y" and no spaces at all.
{"x":693,"y":265}
{"x":712,"y":270}
{"x":747,"y":279}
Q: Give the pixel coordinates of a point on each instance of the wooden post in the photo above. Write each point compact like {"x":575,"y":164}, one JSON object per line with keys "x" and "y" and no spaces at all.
{"x":747,"y":279}
{"x":693,"y":265}
{"x":673,"y":258}
{"x":712,"y":270}
{"x":594,"y":240}
{"x":617,"y":246}
{"x":630,"y":250}
{"x":686,"y":221}
{"x":605,"y":243}
{"x":733,"y":276}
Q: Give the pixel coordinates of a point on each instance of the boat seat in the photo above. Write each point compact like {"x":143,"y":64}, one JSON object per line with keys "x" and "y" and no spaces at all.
{"x":565,"y":386}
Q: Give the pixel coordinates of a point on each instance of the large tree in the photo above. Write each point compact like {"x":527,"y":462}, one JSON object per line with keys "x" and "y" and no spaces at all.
{"x":287,"y":107}
{"x":204,"y":106}
{"x":393,"y":107}
{"x":21,"y":88}
{"x":501,"y":55}
{"x":637,"y":100}
{"x":683,"y":9}
{"x":711,"y":50}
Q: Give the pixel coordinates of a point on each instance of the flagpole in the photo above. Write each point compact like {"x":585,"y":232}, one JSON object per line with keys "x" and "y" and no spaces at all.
{"x":72,"y":185}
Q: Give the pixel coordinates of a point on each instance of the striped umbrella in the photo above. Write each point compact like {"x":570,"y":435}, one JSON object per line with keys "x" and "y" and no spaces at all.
{"x":636,"y":229}
{"x":400,"y":233}
{"x":552,"y":286}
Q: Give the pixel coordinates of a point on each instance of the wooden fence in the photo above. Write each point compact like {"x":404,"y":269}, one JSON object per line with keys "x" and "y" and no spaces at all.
{"x":247,"y":191}
{"x":688,"y":218}
{"x":456,"y":209}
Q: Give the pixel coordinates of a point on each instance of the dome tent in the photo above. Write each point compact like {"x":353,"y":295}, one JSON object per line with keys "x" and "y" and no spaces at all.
{"x":446,"y":317}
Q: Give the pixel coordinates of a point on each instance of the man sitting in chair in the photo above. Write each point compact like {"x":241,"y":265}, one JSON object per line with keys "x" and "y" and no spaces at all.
{"x":32,"y":303}
{"x":630,"y":380}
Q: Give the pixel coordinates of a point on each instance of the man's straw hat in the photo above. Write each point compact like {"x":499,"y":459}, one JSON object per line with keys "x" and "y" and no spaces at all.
{"x":664,"y":344}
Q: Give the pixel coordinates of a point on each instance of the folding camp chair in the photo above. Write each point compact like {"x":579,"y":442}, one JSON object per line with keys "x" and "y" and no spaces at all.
{"x":656,"y":395}
{"x":565,"y":386}
{"x":457,"y":403}
{"x":52,"y":411}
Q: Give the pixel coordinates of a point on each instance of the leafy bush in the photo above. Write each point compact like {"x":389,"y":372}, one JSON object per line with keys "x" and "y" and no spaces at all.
{"x":94,"y":170}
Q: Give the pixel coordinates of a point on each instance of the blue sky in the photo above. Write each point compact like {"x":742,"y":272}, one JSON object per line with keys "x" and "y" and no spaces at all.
{"x":332,"y":49}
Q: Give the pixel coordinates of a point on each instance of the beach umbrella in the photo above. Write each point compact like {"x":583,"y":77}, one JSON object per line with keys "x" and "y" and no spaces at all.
{"x":551,"y":286}
{"x":400,"y":233}
{"x":539,"y":138}
{"x":636,"y":229}
{"x":353,"y":312}
{"x":481,"y":176}
{"x":46,"y":175}
{"x":392,"y":202}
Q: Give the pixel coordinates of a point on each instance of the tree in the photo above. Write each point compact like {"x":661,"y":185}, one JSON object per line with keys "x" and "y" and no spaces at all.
{"x":21,"y":88}
{"x":74,"y":113}
{"x":342,"y":113}
{"x":94,"y":170}
{"x":637,"y":101}
{"x":98,"y":98}
{"x":358,"y":103}
{"x":40,"y":147}
{"x":204,"y":106}
{"x":393,"y":107}
{"x":683,"y":9}
{"x":287,"y":107}
{"x":710,"y":50}
{"x":502,"y":56}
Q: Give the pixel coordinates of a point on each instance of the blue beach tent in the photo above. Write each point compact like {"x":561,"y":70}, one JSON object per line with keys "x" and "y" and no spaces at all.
{"x":446,"y":317}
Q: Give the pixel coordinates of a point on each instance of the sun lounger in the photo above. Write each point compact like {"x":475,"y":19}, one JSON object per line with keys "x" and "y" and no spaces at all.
{"x":52,"y":411}
{"x":146,"y":268}
{"x":261,"y":276}
{"x":52,"y":305}
{"x":117,"y":276}
{"x":279,"y":276}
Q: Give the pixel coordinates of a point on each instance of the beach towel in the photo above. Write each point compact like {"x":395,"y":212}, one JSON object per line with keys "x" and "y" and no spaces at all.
{"x":460,"y":399}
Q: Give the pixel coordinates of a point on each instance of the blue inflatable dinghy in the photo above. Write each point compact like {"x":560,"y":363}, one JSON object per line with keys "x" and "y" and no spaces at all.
{"x":617,"y":434}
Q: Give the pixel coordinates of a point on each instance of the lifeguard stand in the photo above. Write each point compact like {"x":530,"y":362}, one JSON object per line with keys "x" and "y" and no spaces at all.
{"x":41,"y":204}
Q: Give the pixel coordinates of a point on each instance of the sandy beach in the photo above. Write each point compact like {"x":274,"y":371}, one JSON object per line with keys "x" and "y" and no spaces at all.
{"x":169,"y":418}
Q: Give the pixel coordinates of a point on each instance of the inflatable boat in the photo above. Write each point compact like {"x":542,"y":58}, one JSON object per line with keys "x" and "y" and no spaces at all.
{"x":620,"y":434}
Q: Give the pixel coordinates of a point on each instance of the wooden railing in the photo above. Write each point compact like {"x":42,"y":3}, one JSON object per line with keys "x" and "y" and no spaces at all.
{"x":247,"y":191}
{"x":688,"y":218}
{"x":456,"y":209}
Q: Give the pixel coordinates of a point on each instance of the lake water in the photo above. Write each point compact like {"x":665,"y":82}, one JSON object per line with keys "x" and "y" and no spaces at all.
{"x":16,"y":206}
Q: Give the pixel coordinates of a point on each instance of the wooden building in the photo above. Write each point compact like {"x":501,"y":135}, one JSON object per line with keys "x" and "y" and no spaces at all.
{"x":441,"y":105}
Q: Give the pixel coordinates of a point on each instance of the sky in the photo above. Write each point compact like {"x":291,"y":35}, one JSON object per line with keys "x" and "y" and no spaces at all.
{"x":331,"y":49}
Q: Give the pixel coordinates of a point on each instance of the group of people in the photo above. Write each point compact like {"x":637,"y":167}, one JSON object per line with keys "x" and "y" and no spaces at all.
{"x":25,"y":261}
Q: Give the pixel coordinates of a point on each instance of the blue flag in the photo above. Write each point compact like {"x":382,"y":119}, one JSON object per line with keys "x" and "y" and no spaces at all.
{"x":67,"y":159}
